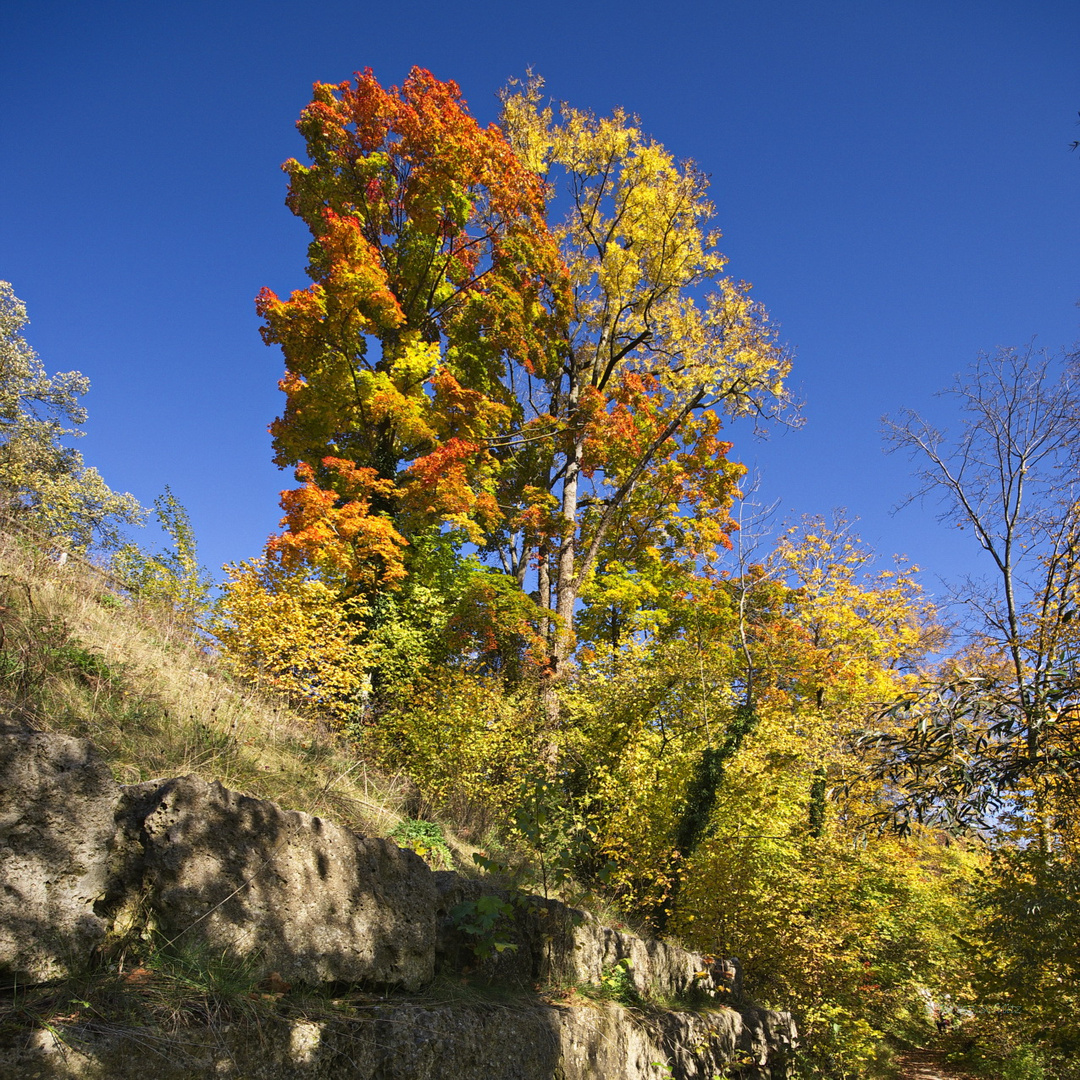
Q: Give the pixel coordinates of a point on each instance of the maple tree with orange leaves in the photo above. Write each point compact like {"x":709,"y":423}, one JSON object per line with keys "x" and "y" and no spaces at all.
{"x":428,"y":258}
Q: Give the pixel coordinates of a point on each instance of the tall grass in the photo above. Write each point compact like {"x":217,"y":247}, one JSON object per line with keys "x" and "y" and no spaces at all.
{"x":78,"y":656}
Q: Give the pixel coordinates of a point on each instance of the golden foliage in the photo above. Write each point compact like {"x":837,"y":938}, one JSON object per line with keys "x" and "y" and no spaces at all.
{"x":292,"y":633}
{"x":462,"y":738}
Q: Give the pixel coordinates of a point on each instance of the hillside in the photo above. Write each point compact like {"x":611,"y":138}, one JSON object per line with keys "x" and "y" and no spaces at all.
{"x":381,"y":968}
{"x":79,"y":658}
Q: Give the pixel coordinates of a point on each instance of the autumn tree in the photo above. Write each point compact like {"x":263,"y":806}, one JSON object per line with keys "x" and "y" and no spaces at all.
{"x":292,"y":634}
{"x":429,"y":261}
{"x":551,"y":394}
{"x":990,"y":738}
{"x":43,"y":482}
{"x":621,"y":467}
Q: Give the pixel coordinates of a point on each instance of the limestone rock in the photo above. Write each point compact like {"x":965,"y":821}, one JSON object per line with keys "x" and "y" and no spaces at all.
{"x":558,"y":944}
{"x":428,"y":1040}
{"x":294,"y":893}
{"x":314,"y":903}
{"x":57,"y":808}
{"x":655,"y":967}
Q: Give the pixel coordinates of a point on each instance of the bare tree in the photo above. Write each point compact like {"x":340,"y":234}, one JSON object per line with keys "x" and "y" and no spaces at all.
{"x":998,"y":730}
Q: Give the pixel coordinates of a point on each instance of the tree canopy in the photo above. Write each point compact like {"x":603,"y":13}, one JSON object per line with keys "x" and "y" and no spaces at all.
{"x":43,"y":481}
{"x":513,"y":570}
{"x":551,"y":394}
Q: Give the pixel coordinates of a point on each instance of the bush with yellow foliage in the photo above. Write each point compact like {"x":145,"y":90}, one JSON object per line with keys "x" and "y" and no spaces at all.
{"x":293,"y":633}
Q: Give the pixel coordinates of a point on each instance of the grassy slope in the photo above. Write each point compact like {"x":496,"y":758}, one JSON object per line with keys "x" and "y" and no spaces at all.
{"x":76,"y":657}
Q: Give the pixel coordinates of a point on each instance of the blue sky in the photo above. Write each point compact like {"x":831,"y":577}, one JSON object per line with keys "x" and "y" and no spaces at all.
{"x":894,"y":178}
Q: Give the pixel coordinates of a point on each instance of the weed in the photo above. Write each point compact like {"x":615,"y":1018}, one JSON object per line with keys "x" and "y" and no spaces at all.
{"x":72,"y":656}
{"x":426,"y":839}
{"x":745,"y":1061}
{"x":170,"y":990}
{"x":617,"y":983}
{"x":481,"y":920}
{"x":192,"y":983}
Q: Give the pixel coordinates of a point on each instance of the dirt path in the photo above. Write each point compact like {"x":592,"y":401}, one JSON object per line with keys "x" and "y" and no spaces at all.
{"x":928,"y":1065}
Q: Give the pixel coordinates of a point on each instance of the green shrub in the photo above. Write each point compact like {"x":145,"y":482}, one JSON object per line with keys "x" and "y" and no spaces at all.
{"x":617,"y":983}
{"x":426,"y":839}
{"x":483,"y":920}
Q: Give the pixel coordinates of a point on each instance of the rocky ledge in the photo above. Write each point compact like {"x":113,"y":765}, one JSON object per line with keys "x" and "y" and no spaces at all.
{"x":86,"y":863}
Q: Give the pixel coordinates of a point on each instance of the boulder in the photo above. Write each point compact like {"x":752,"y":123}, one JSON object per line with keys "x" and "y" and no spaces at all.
{"x":58,"y":806}
{"x":291,"y":892}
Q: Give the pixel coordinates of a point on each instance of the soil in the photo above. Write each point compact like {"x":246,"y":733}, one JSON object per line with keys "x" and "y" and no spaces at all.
{"x":928,"y":1065}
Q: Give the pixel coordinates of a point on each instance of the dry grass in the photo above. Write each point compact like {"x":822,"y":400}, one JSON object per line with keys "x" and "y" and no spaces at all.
{"x":78,"y":657}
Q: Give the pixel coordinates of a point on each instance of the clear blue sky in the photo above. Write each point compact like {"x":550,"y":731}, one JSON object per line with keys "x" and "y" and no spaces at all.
{"x":894,"y":178}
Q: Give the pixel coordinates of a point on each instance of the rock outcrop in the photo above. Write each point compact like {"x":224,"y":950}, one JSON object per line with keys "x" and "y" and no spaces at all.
{"x":84,"y":861}
{"x":556,"y":944}
{"x":308,"y":899}
{"x":58,"y":806}
{"x":423,"y":1041}
{"x":293,"y":893}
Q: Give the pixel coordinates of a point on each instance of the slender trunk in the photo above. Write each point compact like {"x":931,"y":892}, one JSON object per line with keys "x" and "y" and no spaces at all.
{"x":549,"y":696}
{"x":543,"y":586}
{"x":562,"y":631}
{"x":565,"y":587}
{"x":1030,"y":694}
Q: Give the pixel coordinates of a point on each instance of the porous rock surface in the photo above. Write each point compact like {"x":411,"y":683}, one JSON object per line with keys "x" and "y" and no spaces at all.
{"x":426,"y":1041}
{"x":311,"y":900}
{"x":214,"y":869}
{"x":57,"y":816}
